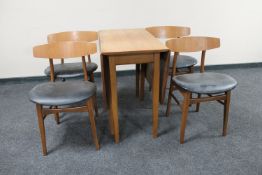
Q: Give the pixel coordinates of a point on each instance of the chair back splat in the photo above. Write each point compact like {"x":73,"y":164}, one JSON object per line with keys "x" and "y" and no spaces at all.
{"x":88,"y":36}
{"x":67,"y":49}
{"x":193,"y":44}
{"x":166,"y":32}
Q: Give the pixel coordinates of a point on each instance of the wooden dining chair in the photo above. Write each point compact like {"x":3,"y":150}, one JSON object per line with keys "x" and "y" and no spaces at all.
{"x":208,"y":86}
{"x":70,"y":96}
{"x":67,"y":70}
{"x":185,"y":63}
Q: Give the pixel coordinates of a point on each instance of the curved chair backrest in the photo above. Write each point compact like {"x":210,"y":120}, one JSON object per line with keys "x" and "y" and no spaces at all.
{"x":67,"y":49}
{"x":88,"y":36}
{"x":192,"y":44}
{"x":168,"y":31}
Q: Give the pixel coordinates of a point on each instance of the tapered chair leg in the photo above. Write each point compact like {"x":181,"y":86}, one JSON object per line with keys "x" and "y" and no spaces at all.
{"x":185,"y":107}
{"x":168,"y":108}
{"x":95,"y":105}
{"x":198,"y":104}
{"x":92,"y":122}
{"x":57,"y":117}
{"x":191,"y":96}
{"x":41,"y":124}
{"x":92,"y":78}
{"x":226,"y":111}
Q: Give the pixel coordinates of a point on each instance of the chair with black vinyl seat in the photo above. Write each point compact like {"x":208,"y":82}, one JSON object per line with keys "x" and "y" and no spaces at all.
{"x":185,"y":64}
{"x":67,"y":70}
{"x":207,"y":85}
{"x":69,"y":96}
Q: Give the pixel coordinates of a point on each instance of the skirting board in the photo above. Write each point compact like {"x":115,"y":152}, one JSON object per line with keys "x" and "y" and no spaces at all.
{"x":18,"y":80}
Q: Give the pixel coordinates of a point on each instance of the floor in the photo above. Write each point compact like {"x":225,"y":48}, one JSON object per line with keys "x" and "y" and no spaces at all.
{"x":71,"y":150}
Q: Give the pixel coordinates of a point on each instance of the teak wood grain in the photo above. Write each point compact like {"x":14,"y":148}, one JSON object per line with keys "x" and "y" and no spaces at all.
{"x":130,"y":46}
{"x":67,"y":49}
{"x":88,"y":36}
{"x":129,"y":41}
{"x":168,"y":31}
{"x":192,"y":44}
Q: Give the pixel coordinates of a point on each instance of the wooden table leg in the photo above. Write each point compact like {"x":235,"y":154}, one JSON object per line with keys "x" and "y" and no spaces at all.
{"x":113,"y":97}
{"x":142,"y":82}
{"x":164,"y":77}
{"x":103,"y":81}
{"x":106,"y":86}
{"x":137,"y":79}
{"x":155,"y":93}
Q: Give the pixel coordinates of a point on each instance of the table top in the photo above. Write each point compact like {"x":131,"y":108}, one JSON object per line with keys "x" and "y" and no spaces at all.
{"x":129,"y":41}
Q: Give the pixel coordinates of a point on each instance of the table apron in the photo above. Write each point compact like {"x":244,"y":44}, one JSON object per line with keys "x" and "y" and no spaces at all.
{"x":133,"y":59}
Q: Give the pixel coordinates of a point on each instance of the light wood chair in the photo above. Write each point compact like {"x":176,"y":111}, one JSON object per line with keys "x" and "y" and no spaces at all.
{"x":185,"y":63}
{"x":214,"y":86}
{"x":66,"y":70}
{"x":70,"y":96}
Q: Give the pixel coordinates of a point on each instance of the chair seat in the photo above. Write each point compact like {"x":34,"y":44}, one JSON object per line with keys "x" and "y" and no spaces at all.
{"x":62,"y":93}
{"x":68,"y":70}
{"x":205,"y":83}
{"x":183,"y":61}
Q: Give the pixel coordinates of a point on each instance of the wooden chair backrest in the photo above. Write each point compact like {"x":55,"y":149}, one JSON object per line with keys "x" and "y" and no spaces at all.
{"x":67,"y":49}
{"x":88,"y":36}
{"x":192,"y":44}
{"x":168,"y":31}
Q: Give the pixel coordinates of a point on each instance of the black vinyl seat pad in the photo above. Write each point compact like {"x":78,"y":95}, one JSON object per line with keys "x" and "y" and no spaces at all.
{"x":183,"y":61}
{"x":62,"y":93}
{"x":67,"y":70}
{"x":205,"y":83}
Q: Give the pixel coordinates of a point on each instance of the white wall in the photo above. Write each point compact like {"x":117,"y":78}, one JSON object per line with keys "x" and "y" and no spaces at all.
{"x":26,"y":23}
